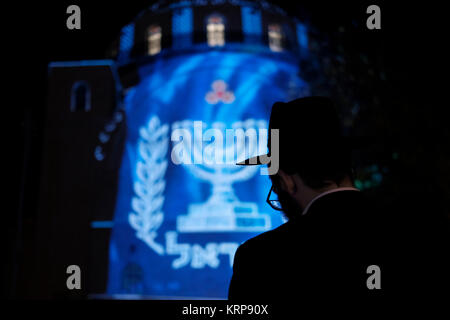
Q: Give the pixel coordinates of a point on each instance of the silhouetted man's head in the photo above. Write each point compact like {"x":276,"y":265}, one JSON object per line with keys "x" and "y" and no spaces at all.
{"x":313,"y":155}
{"x":294,"y":193}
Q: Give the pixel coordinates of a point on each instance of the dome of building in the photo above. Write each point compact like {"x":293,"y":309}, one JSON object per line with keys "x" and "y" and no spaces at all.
{"x":176,"y":27}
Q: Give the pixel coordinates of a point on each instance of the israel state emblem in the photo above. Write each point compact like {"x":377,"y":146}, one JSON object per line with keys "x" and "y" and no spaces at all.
{"x":220,"y":212}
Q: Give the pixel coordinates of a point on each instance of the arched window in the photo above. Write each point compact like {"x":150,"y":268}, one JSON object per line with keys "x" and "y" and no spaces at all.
{"x":215,"y":31}
{"x":80,"y":99}
{"x":275,"y":37}
{"x":154,"y":37}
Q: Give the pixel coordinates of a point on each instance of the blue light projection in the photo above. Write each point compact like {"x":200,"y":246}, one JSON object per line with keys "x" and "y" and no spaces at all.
{"x":182,"y":28}
{"x":126,"y":42}
{"x":177,"y":226}
{"x":302,"y":35}
{"x":251,"y":21}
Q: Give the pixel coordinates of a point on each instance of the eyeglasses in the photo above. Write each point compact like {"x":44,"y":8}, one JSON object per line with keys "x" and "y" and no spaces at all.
{"x":275,"y":204}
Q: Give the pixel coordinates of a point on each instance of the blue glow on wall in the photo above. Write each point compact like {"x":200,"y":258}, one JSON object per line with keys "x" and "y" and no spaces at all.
{"x":302,"y":35}
{"x":177,"y":227}
{"x":182,"y":25}
{"x":126,"y":42}
{"x":182,"y":21}
{"x":251,"y":23}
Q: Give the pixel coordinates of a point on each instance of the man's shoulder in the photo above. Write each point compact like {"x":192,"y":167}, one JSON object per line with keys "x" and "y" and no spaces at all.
{"x":269,"y":239}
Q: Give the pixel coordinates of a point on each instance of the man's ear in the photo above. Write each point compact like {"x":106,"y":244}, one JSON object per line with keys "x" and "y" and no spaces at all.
{"x":287,"y":182}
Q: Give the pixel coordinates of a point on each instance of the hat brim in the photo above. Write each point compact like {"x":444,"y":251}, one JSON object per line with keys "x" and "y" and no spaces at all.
{"x":351,"y":143}
{"x":253,"y":161}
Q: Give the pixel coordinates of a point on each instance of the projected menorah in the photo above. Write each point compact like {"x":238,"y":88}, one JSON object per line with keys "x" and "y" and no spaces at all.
{"x":215,"y":162}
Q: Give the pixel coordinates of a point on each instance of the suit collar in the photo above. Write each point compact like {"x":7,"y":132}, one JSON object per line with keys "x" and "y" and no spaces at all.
{"x":324,"y":194}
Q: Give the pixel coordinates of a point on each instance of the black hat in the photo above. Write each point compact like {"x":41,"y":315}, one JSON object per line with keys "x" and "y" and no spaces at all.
{"x":309,"y":134}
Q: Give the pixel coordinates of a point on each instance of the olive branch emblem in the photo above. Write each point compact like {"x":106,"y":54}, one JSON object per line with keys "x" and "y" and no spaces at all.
{"x":147,"y":214}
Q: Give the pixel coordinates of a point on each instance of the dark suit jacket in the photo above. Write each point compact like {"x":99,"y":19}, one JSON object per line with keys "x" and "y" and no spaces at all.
{"x":325,"y":252}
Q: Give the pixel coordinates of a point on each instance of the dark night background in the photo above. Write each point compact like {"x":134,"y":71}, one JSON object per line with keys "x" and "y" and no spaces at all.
{"x":385,"y":74}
